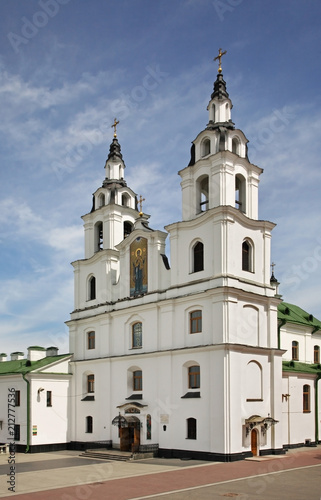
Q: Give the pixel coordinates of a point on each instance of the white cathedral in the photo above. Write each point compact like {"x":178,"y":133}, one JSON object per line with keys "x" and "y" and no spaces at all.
{"x":195,"y":355}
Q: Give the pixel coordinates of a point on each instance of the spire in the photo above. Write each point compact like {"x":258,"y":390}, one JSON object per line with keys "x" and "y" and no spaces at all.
{"x":114,"y":151}
{"x":220,"y":91}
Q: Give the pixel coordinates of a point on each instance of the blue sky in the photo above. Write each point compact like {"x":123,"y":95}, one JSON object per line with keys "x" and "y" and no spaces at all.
{"x":68,"y":67}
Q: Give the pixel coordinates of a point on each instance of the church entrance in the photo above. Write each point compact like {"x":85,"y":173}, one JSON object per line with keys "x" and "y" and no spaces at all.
{"x":130,"y":437}
{"x":254,"y":443}
{"x":128,"y":432}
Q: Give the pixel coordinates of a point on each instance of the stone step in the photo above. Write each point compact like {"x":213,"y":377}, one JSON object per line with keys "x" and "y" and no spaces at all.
{"x":105,"y":455}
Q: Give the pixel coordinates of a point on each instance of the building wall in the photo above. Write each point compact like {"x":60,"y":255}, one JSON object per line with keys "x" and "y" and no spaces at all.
{"x":298,"y":426}
{"x":18,"y":413}
{"x":49,"y":424}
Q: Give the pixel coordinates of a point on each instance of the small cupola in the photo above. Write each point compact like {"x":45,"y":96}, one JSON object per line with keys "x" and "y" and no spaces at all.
{"x":35,"y":353}
{"x":220,"y":105}
{"x":3,"y":357}
{"x":16,"y":356}
{"x":51,"y":351}
{"x":115,"y":166}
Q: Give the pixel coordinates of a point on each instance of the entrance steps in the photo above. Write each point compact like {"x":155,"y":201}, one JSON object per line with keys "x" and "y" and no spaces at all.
{"x":121,"y":456}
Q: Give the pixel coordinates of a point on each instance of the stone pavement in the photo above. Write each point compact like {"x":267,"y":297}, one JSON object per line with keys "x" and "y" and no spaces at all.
{"x":66,"y":476}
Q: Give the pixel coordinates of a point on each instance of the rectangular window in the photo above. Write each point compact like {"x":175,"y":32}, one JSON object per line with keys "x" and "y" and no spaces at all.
{"x":137,"y":333}
{"x":91,"y":383}
{"x":138,"y":380}
{"x":49,"y":398}
{"x":306,"y":399}
{"x":194,"y":377}
{"x":316,"y":356}
{"x":91,"y":340}
{"x":195,"y":321}
{"x":295,"y":350}
{"x":17,"y":398}
{"x":17,"y":432}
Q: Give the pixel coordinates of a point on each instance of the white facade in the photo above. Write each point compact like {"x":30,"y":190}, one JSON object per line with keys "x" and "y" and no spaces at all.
{"x":207,"y":357}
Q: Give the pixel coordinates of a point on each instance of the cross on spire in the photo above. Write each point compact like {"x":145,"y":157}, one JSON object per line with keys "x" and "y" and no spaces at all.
{"x":114,"y":125}
{"x":219,"y":58}
{"x":140,"y":203}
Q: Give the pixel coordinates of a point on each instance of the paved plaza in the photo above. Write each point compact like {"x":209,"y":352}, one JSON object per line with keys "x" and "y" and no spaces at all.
{"x":67,"y":476}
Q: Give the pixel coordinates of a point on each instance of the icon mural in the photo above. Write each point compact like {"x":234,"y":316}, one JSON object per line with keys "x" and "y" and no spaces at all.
{"x":138,"y":267}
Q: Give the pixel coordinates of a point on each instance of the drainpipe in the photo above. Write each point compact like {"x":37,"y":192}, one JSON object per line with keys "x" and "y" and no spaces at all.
{"x":316,"y":408}
{"x":281,"y":323}
{"x":28,"y":413}
{"x":315,"y":329}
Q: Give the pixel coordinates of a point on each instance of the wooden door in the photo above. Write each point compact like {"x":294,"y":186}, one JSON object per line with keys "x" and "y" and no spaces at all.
{"x":254,"y":442}
{"x":124,"y":439}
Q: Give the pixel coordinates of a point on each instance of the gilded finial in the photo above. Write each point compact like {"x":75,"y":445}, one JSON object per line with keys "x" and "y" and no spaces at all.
{"x":219,"y":58}
{"x":114,"y":126}
{"x":140,"y":202}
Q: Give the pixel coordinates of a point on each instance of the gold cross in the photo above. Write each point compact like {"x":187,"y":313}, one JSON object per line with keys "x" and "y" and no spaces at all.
{"x":115,"y":125}
{"x":219,"y":58}
{"x":140,"y":202}
{"x":273,"y":266}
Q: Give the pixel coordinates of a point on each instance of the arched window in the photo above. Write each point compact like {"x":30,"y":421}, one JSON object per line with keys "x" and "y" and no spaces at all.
{"x":205,"y":147}
{"x":236,"y":146}
{"x":198,"y":257}
{"x":295,"y":350}
{"x":137,"y":335}
{"x":90,"y":383}
{"x":91,"y":340}
{"x":226,"y":112}
{"x":125,"y":200}
{"x":99,"y":236}
{"x":203,"y":194}
{"x":213,"y":111}
{"x":101,"y":200}
{"x":247,"y":256}
{"x":92,"y":288}
{"x":253,"y":382}
{"x":191,"y":428}
{"x":249,"y":325}
{"x":128,"y":227}
{"x":137,"y":380}
{"x":195,"y":321}
{"x":306,"y":399}
{"x":316,"y":354}
{"x":240,"y":193}
{"x":89,"y":424}
{"x":194,"y":377}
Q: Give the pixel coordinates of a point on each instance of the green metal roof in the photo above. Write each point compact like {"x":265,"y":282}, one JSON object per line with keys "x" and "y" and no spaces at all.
{"x":296,"y":366}
{"x":24,"y":366}
{"x":294,"y":314}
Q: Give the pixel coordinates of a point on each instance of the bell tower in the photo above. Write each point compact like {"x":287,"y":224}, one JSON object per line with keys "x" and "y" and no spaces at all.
{"x":114,"y":207}
{"x":219,"y":172}
{"x":111,"y":220}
